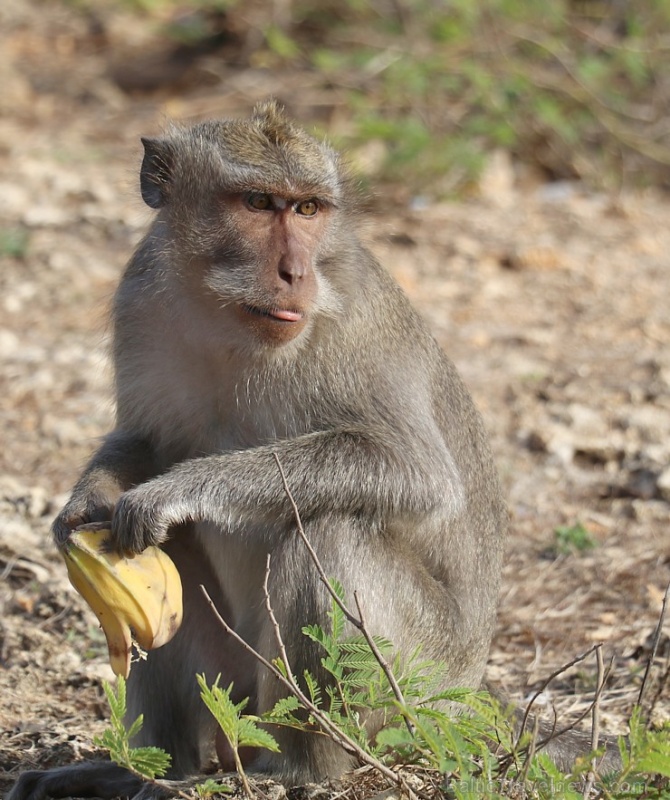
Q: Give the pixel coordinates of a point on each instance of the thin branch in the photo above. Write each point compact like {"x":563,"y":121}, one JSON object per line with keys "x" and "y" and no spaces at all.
{"x":532,"y":749}
{"x":603,"y":677}
{"x":275,"y":625}
{"x":660,"y":689}
{"x":289,"y":681}
{"x":322,"y":574}
{"x":572,"y":725}
{"x":546,"y":683}
{"x":357,"y":622}
{"x":242,"y":774}
{"x":383,"y":663}
{"x":554,"y":734}
{"x":654,"y":646}
{"x":595,"y":728}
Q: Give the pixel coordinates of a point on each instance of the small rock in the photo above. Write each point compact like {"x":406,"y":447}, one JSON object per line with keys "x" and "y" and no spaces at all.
{"x":14,"y":200}
{"x":557,"y":191}
{"x":48,"y":216}
{"x":650,"y":511}
{"x":9,"y":343}
{"x":663,"y":484}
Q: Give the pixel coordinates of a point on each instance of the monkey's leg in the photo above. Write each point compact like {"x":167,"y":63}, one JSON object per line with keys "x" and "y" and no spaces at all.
{"x":400,"y":600}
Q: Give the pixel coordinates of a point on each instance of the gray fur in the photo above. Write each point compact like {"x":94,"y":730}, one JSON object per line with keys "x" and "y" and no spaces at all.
{"x":382,"y":447}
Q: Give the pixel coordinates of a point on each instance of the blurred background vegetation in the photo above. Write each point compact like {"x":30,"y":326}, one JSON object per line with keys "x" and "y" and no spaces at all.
{"x":428,"y":90}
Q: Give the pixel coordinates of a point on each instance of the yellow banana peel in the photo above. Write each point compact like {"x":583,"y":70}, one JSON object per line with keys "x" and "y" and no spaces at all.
{"x":137,"y":597}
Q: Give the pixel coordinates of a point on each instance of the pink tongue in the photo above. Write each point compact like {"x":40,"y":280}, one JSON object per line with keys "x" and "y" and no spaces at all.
{"x":289,"y":316}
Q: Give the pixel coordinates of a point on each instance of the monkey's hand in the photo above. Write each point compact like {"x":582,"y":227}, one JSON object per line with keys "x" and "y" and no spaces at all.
{"x":144,"y":514}
{"x":91,"y":501}
{"x":123,"y":460}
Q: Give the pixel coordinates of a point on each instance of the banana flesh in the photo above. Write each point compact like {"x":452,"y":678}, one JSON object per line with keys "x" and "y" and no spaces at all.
{"x":136,"y":598}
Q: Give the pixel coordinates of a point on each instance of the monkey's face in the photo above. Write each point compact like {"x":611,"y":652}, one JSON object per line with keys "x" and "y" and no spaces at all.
{"x":251,"y":217}
{"x":270,"y":282}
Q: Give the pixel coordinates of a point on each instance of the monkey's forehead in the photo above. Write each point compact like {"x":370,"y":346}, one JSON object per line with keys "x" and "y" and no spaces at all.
{"x":277,"y":159}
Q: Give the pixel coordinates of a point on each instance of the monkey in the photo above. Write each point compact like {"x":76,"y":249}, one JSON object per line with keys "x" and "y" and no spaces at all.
{"x":251,"y":322}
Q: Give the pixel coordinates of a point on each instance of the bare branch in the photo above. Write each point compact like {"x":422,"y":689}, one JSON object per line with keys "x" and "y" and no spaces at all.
{"x":357,"y":622}
{"x":654,"y":646}
{"x":595,"y":728}
{"x":532,"y":748}
{"x":383,"y":663}
{"x":546,"y":683}
{"x":275,"y":625}
{"x":324,"y":578}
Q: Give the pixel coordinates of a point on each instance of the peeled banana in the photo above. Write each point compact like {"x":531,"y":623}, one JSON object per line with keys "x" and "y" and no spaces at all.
{"x":137,"y":597}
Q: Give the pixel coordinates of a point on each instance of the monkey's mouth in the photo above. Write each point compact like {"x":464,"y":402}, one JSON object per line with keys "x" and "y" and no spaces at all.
{"x":279,"y":314}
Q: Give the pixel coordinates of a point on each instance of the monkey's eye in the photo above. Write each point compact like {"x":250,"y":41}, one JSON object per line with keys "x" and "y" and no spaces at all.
{"x":259,"y":201}
{"x":306,"y":208}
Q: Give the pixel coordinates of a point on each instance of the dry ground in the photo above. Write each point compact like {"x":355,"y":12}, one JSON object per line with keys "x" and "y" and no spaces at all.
{"x":554,"y":302}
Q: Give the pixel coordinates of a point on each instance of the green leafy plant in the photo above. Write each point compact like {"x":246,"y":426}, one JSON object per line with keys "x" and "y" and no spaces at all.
{"x":573,"y":539}
{"x":452,"y":732}
{"x":645,"y":753}
{"x":449,"y":733}
{"x":240,"y":730}
{"x":147,"y":762}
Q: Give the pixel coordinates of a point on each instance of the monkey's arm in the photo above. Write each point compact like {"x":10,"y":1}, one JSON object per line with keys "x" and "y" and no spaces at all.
{"x":123,"y":461}
{"x":368,"y":474}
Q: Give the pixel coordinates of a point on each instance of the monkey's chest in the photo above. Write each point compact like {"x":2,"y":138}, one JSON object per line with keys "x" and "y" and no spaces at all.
{"x":196,"y":426}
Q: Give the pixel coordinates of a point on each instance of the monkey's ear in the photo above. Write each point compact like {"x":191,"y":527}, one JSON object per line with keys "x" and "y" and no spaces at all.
{"x":156,"y":172}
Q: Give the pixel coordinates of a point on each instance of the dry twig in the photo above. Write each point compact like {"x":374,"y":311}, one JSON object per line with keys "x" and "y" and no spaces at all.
{"x":357,"y":622}
{"x":654,"y":646}
{"x":554,"y":733}
{"x":595,"y":728}
{"x":543,"y":687}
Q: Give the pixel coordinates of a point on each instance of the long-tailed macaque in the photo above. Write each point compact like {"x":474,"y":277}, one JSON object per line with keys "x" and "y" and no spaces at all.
{"x":250,"y":322}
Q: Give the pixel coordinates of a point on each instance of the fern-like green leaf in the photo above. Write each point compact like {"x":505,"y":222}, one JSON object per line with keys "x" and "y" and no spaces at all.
{"x":210,"y":787}
{"x":316,"y":634}
{"x":358,"y":644}
{"x":337,"y":618}
{"x":283,"y":707}
{"x":222,"y":708}
{"x":333,"y":666}
{"x":313,"y":689}
{"x":250,"y":735}
{"x":277,"y":662}
{"x":151,"y":762}
{"x":655,"y":759}
{"x":395,"y":737}
{"x":136,"y":726}
{"x":147,"y":762}
{"x":240,"y":730}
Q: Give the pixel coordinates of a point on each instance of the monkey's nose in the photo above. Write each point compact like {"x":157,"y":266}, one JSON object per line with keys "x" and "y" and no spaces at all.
{"x":291,"y":271}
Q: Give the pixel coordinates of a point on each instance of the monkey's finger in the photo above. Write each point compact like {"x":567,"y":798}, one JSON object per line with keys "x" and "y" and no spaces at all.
{"x":136,"y":522}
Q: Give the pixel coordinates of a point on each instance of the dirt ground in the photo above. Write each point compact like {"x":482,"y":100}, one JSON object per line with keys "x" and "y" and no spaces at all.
{"x":553,"y":301}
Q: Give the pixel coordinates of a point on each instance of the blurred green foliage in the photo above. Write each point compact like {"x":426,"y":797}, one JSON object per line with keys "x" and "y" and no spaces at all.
{"x":578,"y":89}
{"x":573,"y":539}
{"x":14,"y":242}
